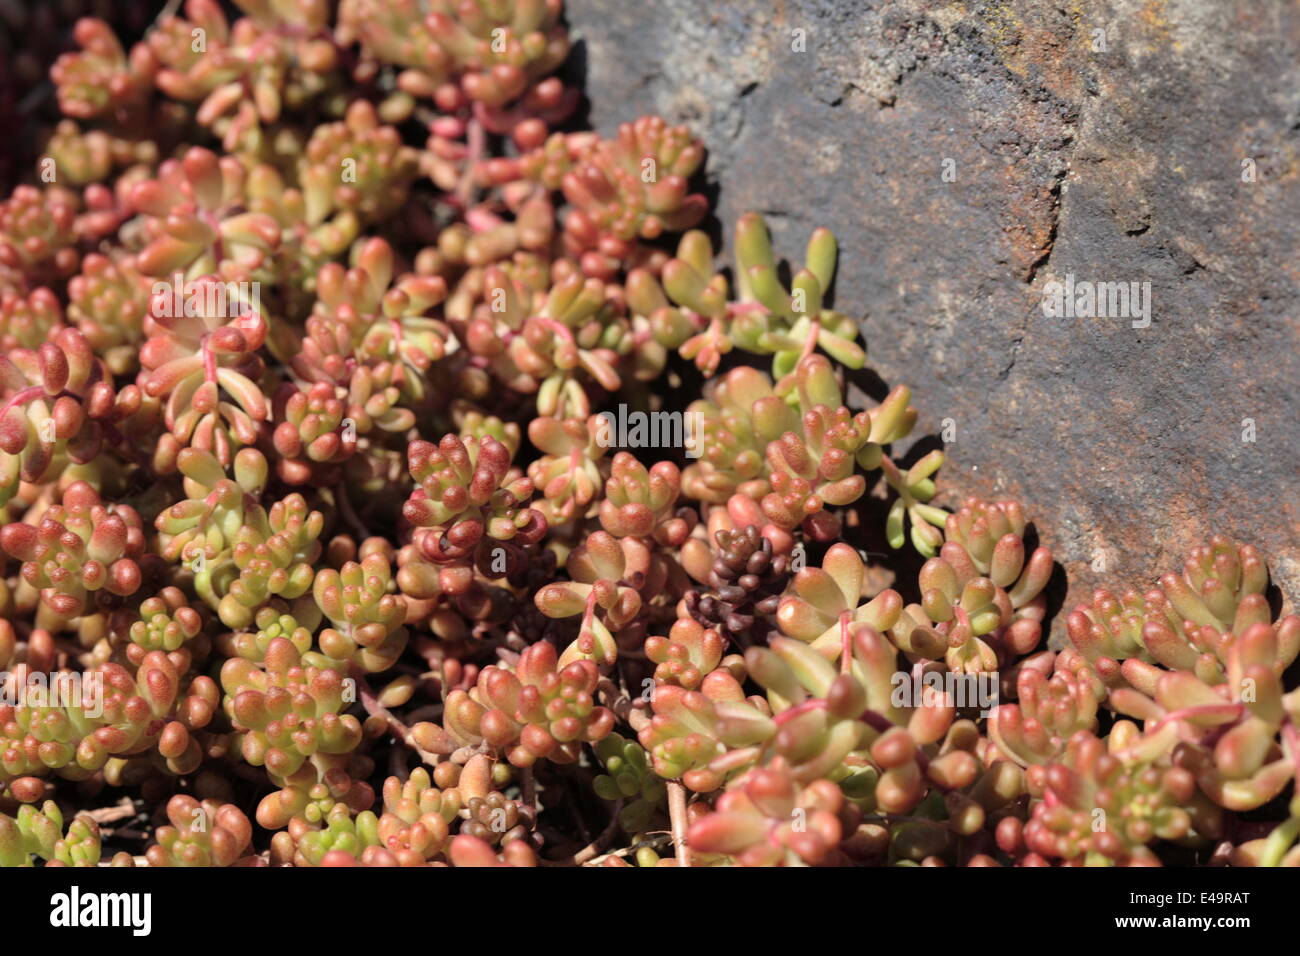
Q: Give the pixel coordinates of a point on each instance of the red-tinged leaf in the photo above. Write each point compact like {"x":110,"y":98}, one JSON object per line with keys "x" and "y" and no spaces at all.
{"x":466,"y":850}
{"x":726,"y":832}
{"x":164,"y":256}
{"x":823,"y":592}
{"x":563,"y":600}
{"x":248,"y":395}
{"x":800,"y":619}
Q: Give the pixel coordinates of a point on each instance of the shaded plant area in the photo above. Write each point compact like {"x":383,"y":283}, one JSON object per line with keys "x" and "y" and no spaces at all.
{"x":394,"y":473}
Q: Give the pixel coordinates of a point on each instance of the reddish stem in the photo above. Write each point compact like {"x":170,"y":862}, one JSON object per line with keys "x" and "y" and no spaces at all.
{"x":1188,"y":712}
{"x":790,"y":713}
{"x":209,"y":359}
{"x":559,"y":328}
{"x":810,"y":345}
{"x":477,"y":144}
{"x":677,"y":813}
{"x":29,"y":394}
{"x":370,"y":701}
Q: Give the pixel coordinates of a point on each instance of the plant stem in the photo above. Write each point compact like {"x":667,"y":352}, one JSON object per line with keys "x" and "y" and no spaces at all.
{"x":370,"y":701}
{"x":654,"y":842}
{"x":593,"y":850}
{"x":476,"y":141}
{"x":528,"y":786}
{"x":677,"y":813}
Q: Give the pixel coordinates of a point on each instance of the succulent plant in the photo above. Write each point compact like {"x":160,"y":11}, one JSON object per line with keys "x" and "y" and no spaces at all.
{"x":550,"y":343}
{"x":471,"y":507}
{"x":1106,"y":807}
{"x":79,"y":548}
{"x":687,"y":655}
{"x":539,"y":710}
{"x":110,"y":713}
{"x":744,"y":581}
{"x":700,"y":737}
{"x":335,"y":832}
{"x":1049,"y":710}
{"x":166,"y":622}
{"x":466,"y":850}
{"x":1187,"y":623}
{"x":767,"y":819}
{"x":201,"y":834}
{"x":243,"y":75}
{"x":324,"y":491}
{"x":639,"y":501}
{"x":41,"y":833}
{"x":367,"y":617}
{"x":740,"y":412}
{"x":197,"y":221}
{"x":38,"y":233}
{"x":568,"y":472}
{"x":311,"y":434}
{"x":417,"y":819}
{"x":1235,"y":734}
{"x":981,"y":595}
{"x":828,"y":600}
{"x":101,"y":78}
{"x":492,"y":53}
{"x":292,"y":720}
{"x":26,"y":321}
{"x":203,"y":363}
{"x":630,"y":779}
{"x":82,"y":157}
{"x":274,"y":557}
{"x":108,"y":303}
{"x":606,"y":577}
{"x":59,"y":408}
{"x":632,"y":187}
{"x":357,"y":165}
{"x":381,"y":320}
{"x":199,"y":530}
{"x":788,"y":323}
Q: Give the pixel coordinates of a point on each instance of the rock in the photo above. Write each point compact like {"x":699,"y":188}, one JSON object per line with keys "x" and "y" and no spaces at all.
{"x":1115,"y":141}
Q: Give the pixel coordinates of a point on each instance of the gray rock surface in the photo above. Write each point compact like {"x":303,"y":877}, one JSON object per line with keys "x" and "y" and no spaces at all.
{"x":1123,"y":164}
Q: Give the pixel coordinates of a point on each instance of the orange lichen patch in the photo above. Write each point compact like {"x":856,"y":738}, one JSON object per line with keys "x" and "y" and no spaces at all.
{"x":1029,"y":221}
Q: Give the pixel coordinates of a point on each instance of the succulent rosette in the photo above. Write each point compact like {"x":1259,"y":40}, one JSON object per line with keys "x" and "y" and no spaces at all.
{"x":41,"y":833}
